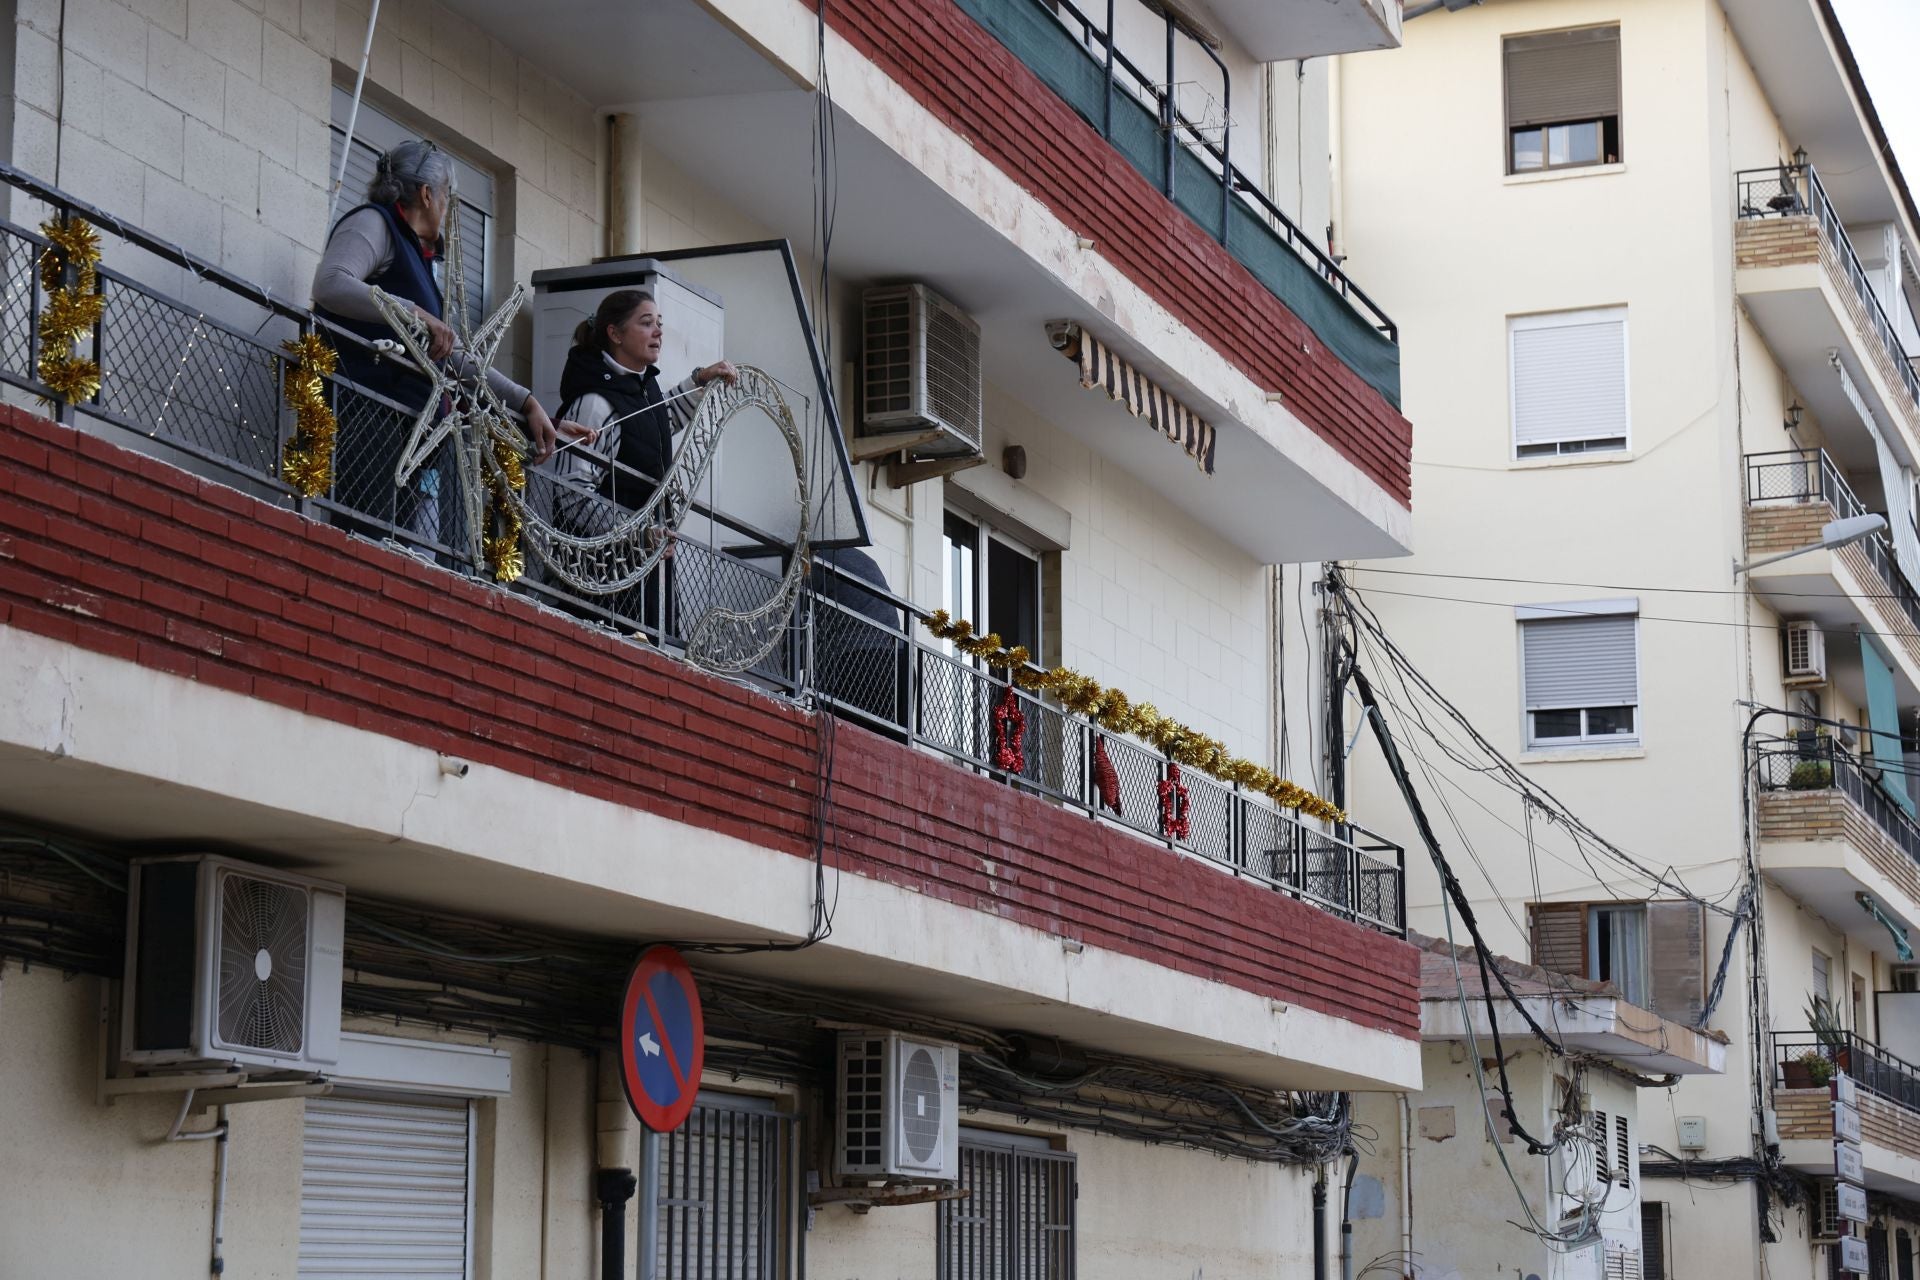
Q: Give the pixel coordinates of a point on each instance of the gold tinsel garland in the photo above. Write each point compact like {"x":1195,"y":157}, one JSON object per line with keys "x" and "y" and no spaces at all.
{"x":1113,"y":711}
{"x":502,"y":548}
{"x":306,"y":462}
{"x":74,"y":306}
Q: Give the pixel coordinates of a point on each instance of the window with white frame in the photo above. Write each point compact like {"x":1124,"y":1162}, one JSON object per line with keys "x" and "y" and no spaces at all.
{"x":1568,"y":375}
{"x":1580,"y":673}
{"x":375,"y":132}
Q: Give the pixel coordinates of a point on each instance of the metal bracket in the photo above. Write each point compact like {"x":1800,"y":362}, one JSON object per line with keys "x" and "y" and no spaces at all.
{"x":902,"y":474}
{"x":867,"y":448}
{"x":861,"y":1199}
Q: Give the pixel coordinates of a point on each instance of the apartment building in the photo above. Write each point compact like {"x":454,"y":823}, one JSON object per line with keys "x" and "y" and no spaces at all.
{"x":1140,"y":993}
{"x":1658,"y":291}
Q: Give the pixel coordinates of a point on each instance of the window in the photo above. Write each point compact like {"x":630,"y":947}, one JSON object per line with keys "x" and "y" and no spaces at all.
{"x":1580,"y":675}
{"x":1563,"y":99}
{"x":721,"y":1192}
{"x":374,"y":132}
{"x":1653,"y":1240}
{"x":1655,"y":952}
{"x":1017,"y":1223}
{"x":1822,"y":976}
{"x":1568,"y":373}
{"x":385,"y":1185}
{"x":985,"y":567}
{"x":1617,"y":949}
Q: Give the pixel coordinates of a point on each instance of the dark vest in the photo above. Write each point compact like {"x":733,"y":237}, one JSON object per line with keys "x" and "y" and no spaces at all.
{"x":646,"y":439}
{"x":407,"y":277}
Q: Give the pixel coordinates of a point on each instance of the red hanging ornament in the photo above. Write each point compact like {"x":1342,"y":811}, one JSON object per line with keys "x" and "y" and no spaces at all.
{"x":1010,"y":734}
{"x":1174,"y":822}
{"x":1106,"y":779}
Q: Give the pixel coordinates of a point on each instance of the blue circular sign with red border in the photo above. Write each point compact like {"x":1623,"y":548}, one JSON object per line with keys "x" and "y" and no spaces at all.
{"x":663,"y":1039}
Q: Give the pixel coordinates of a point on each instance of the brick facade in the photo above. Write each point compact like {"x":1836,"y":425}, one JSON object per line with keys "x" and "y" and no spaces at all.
{"x":962,"y":74}
{"x":1804,"y":1114}
{"x":119,"y":554}
{"x":1829,"y":815}
{"x":1776,"y":527}
{"x":1808,"y":1114}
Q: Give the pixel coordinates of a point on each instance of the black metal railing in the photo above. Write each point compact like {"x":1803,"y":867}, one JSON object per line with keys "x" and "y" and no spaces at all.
{"x":1795,"y":191}
{"x":1802,"y":755}
{"x":201,"y":384}
{"x":1114,"y":80}
{"x":1810,"y":475}
{"x":1798,"y":1058}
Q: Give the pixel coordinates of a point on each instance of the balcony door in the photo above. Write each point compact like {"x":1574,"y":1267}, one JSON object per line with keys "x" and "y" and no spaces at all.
{"x":993,"y":581}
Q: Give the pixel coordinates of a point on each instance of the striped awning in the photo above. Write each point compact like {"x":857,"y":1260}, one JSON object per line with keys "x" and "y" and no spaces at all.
{"x":1143,"y":398}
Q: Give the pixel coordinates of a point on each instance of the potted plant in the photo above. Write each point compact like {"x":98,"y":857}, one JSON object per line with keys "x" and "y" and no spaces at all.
{"x":1825,"y":1025}
{"x":1810,"y":1070}
{"x":1810,"y":775}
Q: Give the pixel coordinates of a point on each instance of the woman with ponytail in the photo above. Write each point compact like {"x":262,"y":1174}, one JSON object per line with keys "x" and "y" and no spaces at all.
{"x":390,"y":242}
{"x":611,"y":387}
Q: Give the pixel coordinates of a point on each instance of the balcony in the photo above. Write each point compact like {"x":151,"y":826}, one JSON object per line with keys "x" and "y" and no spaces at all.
{"x":1804,"y":285}
{"x":1832,"y":836}
{"x":613,"y":786}
{"x":1888,"y":1093}
{"x":1791,"y":493}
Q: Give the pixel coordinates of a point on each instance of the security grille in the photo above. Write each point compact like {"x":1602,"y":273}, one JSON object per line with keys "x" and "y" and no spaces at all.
{"x":385,"y":1188}
{"x":722,"y":1216}
{"x":1016,"y":1223}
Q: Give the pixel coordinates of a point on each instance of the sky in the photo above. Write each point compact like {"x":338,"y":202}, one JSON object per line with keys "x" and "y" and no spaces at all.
{"x":1885,"y":35}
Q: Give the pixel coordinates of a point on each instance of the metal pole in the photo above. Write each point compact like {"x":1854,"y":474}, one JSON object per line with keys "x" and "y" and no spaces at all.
{"x":1106,"y":122}
{"x":1166,"y":110}
{"x":648,"y":1245}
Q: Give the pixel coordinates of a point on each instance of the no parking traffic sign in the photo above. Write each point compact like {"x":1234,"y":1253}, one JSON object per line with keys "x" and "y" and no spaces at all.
{"x":663,"y":1039}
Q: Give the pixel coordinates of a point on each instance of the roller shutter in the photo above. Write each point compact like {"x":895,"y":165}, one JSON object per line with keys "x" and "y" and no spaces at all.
{"x":385,"y":1188}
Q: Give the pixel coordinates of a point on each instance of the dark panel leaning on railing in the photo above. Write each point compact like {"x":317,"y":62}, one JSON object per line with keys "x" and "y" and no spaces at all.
{"x":1798,"y":1058}
{"x":1795,"y":191}
{"x":1809,"y":758}
{"x":1809,"y":475}
{"x":179,"y":377}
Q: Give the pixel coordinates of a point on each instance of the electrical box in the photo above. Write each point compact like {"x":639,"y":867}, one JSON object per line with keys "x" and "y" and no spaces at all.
{"x":1693,"y":1133}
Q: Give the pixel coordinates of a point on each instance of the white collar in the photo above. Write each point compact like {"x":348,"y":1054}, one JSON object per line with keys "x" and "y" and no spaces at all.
{"x":617,"y":367}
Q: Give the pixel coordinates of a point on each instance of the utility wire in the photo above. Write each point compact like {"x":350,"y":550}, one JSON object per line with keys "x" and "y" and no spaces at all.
{"x":1615,"y":586}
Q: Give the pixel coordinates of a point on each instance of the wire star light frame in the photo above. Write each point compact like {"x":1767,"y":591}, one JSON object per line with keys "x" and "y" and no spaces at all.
{"x":491,"y":449}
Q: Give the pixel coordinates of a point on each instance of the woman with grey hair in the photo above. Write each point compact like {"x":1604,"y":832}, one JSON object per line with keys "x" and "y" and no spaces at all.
{"x":390,"y":243}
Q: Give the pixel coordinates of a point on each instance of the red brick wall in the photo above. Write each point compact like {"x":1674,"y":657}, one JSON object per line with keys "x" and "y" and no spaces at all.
{"x":122,"y":555}
{"x":966,"y":77}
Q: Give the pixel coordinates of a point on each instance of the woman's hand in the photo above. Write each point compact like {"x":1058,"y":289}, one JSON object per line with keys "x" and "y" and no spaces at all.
{"x":541,"y":428}
{"x":722,"y":370}
{"x":439,"y":336}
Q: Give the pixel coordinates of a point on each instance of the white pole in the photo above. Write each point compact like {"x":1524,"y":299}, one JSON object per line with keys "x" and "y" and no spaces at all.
{"x":353,"y":114}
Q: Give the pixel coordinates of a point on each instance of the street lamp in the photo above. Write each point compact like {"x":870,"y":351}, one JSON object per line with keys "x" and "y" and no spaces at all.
{"x":1834,"y":534}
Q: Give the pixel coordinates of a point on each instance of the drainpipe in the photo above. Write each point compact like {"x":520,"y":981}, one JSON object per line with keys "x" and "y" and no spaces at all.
{"x":613,"y":1181}
{"x":1406,"y":1179}
{"x":626,"y":205}
{"x":1346,"y":1219}
{"x":1320,"y":1225}
{"x":1336,"y":204}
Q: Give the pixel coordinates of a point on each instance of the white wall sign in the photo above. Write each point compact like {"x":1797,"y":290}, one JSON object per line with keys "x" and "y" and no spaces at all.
{"x":1845,"y":1090}
{"x":1848,"y":1164}
{"x":1846,"y":1122}
{"x":1853,"y":1254}
{"x":1852,"y":1202}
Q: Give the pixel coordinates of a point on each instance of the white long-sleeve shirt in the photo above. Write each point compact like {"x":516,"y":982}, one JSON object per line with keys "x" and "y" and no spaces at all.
{"x":585,"y":465}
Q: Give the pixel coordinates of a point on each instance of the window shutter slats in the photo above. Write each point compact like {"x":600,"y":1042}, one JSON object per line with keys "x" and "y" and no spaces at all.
{"x":1581,"y":662}
{"x":1559,"y":932}
{"x":1563,"y":76}
{"x":1569,"y":381}
{"x":1677,"y":954}
{"x":1653,"y":1241}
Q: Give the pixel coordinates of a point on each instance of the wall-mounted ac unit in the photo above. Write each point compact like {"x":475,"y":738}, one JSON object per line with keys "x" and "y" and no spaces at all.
{"x":921,"y":361}
{"x":231,"y":963}
{"x":899,"y":1114}
{"x":1806,"y":653}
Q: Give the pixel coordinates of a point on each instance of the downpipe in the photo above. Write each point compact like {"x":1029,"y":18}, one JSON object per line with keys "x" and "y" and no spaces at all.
{"x":1320,"y":1225}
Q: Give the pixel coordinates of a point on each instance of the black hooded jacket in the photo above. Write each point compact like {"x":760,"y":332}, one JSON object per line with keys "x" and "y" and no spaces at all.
{"x":642,"y":443}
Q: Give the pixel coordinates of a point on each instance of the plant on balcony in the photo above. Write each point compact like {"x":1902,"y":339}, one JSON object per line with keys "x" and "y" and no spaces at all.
{"x":1810,"y":1070}
{"x":1825,"y":1025}
{"x":1810,"y":775}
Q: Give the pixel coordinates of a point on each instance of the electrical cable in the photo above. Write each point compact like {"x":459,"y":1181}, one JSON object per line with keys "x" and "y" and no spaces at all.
{"x":1637,"y":590}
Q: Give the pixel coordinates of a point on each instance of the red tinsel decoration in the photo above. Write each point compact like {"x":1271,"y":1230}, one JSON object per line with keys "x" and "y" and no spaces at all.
{"x":1106,"y":779}
{"x":1010,"y":734}
{"x":1173,"y":805}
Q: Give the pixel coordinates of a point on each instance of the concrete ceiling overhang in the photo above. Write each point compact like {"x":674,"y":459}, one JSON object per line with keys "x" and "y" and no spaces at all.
{"x":1599,"y":1024}
{"x":1822,"y":105}
{"x":1280,"y":30}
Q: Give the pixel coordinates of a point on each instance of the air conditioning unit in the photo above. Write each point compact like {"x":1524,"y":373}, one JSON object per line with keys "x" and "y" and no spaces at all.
{"x":230,"y":963}
{"x":1806,"y":653}
{"x":899,"y":1108}
{"x":922,"y":371}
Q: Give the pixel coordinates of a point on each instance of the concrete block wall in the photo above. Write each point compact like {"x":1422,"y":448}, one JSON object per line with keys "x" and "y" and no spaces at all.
{"x":206,"y":121}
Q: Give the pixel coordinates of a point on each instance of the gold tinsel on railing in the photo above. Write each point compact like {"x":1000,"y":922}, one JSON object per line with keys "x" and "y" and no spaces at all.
{"x":1113,"y":711}
{"x":502,"y":548}
{"x":306,"y":462}
{"x":74,"y":306}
